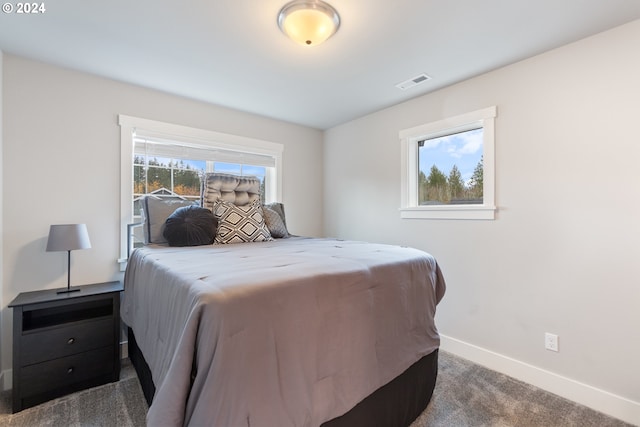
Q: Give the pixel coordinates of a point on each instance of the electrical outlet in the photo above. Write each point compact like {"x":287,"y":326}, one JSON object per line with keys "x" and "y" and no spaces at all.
{"x":551,"y":341}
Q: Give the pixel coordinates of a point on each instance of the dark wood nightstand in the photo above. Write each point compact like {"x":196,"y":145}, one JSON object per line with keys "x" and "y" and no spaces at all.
{"x":64,"y":342}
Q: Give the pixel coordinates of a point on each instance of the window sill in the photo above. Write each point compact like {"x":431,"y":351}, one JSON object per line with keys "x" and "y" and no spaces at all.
{"x":449,"y":212}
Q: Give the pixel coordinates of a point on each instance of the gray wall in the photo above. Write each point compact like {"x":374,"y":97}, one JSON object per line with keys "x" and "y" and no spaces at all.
{"x":62,"y":165}
{"x":562,"y":254}
{"x":2,"y":304}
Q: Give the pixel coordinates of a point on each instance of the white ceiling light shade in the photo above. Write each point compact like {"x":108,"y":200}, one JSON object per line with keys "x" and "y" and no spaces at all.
{"x":308,"y":22}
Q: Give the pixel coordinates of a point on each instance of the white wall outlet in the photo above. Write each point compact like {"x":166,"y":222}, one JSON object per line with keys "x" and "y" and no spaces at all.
{"x":551,"y":341}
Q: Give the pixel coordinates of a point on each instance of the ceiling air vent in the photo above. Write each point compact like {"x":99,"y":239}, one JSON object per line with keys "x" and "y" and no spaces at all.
{"x":421,"y":78}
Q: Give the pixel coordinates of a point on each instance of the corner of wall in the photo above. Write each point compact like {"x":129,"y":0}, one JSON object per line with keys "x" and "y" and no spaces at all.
{"x":2,"y":307}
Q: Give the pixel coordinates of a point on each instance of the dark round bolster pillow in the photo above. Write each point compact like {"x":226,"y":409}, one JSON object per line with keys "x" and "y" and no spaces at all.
{"x":190,"y":226}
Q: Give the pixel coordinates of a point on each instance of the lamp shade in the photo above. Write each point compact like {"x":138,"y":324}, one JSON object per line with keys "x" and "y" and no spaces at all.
{"x":308,"y":22}
{"x":68,"y":237}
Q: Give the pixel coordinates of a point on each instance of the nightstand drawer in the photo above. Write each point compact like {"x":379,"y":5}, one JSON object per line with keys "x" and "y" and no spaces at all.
{"x":42,"y":377}
{"x":67,"y":340}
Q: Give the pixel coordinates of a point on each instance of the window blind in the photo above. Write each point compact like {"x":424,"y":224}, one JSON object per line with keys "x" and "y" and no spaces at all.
{"x":156,"y":147}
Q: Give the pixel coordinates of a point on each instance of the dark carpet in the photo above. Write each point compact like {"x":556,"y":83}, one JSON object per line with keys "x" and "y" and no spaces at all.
{"x":469,"y":395}
{"x":466,"y":395}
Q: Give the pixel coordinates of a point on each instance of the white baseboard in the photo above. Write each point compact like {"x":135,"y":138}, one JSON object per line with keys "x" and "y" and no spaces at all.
{"x":6,"y":379}
{"x":584,"y":394}
{"x":124,"y":349}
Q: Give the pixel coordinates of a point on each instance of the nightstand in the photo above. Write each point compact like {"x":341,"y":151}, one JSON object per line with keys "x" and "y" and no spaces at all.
{"x":63,"y":343}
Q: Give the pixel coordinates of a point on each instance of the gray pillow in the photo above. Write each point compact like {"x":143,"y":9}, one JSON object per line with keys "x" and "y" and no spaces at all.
{"x":239,"y":190}
{"x":279,"y":209}
{"x":155,"y":212}
{"x":274,"y":222}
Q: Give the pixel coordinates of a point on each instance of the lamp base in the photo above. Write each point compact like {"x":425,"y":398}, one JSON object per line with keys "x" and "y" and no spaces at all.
{"x":68,"y":290}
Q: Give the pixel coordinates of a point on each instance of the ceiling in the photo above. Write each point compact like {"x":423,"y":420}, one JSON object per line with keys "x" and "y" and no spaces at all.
{"x":232,"y":53}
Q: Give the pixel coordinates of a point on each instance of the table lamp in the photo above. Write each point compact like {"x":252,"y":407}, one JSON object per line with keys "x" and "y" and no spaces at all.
{"x":68,"y":237}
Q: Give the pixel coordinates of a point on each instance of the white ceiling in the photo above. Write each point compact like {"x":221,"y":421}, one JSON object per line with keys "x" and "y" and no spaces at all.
{"x":232,"y":53}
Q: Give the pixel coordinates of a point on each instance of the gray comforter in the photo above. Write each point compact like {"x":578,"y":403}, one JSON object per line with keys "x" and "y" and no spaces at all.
{"x":286,"y":333}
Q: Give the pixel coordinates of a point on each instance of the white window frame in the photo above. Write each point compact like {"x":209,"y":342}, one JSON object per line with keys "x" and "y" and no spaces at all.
{"x":409,"y":139}
{"x":189,"y":135}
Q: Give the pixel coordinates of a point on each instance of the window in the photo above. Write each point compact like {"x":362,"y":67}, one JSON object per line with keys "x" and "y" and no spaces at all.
{"x":168,"y":161}
{"x":448,"y":168}
{"x":169,"y":169}
{"x":164,"y":177}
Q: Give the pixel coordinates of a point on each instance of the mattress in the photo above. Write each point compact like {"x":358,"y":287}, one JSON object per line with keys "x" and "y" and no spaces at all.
{"x":292,"y":332}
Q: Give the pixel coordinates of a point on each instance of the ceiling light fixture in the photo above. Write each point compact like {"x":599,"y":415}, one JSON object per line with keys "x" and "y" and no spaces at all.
{"x":308,"y":22}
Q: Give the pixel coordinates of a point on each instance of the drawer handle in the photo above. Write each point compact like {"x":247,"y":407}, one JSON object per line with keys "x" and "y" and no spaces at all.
{"x":70,"y":371}
{"x":71,"y":341}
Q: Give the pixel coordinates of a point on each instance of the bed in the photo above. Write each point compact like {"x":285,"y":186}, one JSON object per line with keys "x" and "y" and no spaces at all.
{"x":288,"y":331}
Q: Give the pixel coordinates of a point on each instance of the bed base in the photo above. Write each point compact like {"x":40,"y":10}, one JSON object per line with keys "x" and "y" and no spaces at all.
{"x":141,"y":367}
{"x":396,"y":404}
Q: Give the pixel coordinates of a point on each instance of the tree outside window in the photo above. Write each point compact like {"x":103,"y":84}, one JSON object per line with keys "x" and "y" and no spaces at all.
{"x":450,"y":169}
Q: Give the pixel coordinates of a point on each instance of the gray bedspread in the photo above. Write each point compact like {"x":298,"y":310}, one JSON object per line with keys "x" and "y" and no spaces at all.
{"x":286,"y":333}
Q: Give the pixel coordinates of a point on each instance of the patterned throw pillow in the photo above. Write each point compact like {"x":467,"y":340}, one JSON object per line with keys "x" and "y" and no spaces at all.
{"x":239,"y":224}
{"x":274,"y":223}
